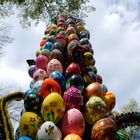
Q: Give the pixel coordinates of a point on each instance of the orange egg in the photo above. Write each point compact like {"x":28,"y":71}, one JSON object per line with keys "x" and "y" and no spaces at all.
{"x":72,"y":137}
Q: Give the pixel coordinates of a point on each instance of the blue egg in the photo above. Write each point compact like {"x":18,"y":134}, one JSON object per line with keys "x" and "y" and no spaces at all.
{"x":48,"y":45}
{"x":24,"y":138}
{"x":58,"y":76}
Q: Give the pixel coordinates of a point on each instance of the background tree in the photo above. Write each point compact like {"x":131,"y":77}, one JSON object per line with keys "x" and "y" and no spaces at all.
{"x":4,"y":36}
{"x":41,"y":10}
{"x":132,"y":131}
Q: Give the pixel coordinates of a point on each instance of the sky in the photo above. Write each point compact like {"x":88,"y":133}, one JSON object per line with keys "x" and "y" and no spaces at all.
{"x":115,"y":38}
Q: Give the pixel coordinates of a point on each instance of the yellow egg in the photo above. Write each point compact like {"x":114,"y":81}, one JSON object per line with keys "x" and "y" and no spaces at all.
{"x":29,"y":124}
{"x":53,"y":26}
{"x":53,"y":108}
{"x":80,"y":28}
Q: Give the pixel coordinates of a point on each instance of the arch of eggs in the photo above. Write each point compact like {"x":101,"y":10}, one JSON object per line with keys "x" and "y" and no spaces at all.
{"x":67,"y":99}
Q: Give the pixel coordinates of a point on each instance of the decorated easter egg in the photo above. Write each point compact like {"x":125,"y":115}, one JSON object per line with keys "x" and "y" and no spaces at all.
{"x":53,"y":108}
{"x":48,"y":45}
{"x":51,"y":38}
{"x":32,"y":84}
{"x":42,"y":61}
{"x":70,"y":30}
{"x":31,"y":70}
{"x":75,"y":80}
{"x":61,"y":39}
{"x":29,"y":124}
{"x":57,"y":54}
{"x":58,"y":46}
{"x":80,"y":28}
{"x":32,"y":102}
{"x":110,"y":100}
{"x":73,"y":123}
{"x":95,"y":109}
{"x":37,"y":86}
{"x":24,"y":138}
{"x":104,"y":129}
{"x":72,"y":137}
{"x":104,"y":88}
{"x":73,"y":98}
{"x":99,"y":78}
{"x":45,"y":52}
{"x":88,"y":59}
{"x":72,"y":37}
{"x":58,"y":76}
{"x":53,"y":26}
{"x":59,"y":29}
{"x":73,"y":68}
{"x":48,"y":131}
{"x":93,"y":89}
{"x":70,"y":21}
{"x":84,"y":34}
{"x":42,"y":43}
{"x":49,"y":85}
{"x":29,"y":91}
{"x":39,"y":74}
{"x":54,"y":65}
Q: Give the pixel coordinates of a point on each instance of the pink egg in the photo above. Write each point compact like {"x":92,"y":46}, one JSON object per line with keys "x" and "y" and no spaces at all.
{"x":54,"y":65}
{"x":42,"y":61}
{"x":73,"y":98}
{"x":73,"y":122}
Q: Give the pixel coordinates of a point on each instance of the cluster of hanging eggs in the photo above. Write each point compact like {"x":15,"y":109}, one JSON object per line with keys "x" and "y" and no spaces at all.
{"x":66,"y":99}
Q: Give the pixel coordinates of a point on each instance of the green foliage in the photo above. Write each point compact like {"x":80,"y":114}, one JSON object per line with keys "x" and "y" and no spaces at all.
{"x":133,"y":131}
{"x":42,"y":10}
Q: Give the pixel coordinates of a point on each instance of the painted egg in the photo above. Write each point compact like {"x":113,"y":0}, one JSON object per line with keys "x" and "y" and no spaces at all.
{"x":110,"y":100}
{"x":53,"y":26}
{"x":80,"y":28}
{"x":51,"y":38}
{"x":49,"y":85}
{"x":70,"y":21}
{"x":58,"y":46}
{"x":75,"y":80}
{"x":88,"y":59}
{"x":31,"y":70}
{"x":54,"y":65}
{"x":93,"y":89}
{"x":32,"y":84}
{"x":32,"y":102}
{"x":72,"y":37}
{"x":99,"y":78}
{"x":57,"y":54}
{"x":61,"y":39}
{"x":72,"y":137}
{"x":104,"y":129}
{"x":104,"y":88}
{"x":73,"y":98}
{"x":29,"y":91}
{"x":39,"y":74}
{"x":73,"y":68}
{"x":84,"y":34}
{"x":42,"y":61}
{"x":37,"y":87}
{"x":42,"y":43}
{"x":45,"y":52}
{"x":53,"y":108}
{"x":49,"y":131}
{"x":95,"y":109}
{"x":29,"y":124}
{"x":73,"y":123}
{"x":70,"y":30}
{"x":59,"y":29}
{"x":58,"y":76}
{"x":24,"y":138}
{"x":48,"y":45}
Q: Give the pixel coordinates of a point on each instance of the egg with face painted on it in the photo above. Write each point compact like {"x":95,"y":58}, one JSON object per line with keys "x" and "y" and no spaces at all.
{"x":48,"y":131}
{"x":73,"y":122}
{"x":53,"y":108}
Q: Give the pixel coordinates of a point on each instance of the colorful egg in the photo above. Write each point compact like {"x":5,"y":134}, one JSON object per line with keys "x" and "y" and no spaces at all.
{"x":59,"y":29}
{"x":42,"y":43}
{"x":41,"y":62}
{"x":88,"y":59}
{"x":53,"y":26}
{"x":58,"y":76}
{"x":24,"y":138}
{"x":54,"y":65}
{"x":70,"y":30}
{"x":95,"y":109}
{"x":75,"y":80}
{"x":72,"y":137}
{"x":61,"y":39}
{"x":72,"y":37}
{"x":93,"y":89}
{"x":104,"y":88}
{"x":80,"y":28}
{"x":53,"y":108}
{"x":48,"y":131}
{"x":73,"y":98}
{"x":29,"y":91}
{"x":73,"y":68}
{"x":37,"y":86}
{"x":31,"y":70}
{"x":32,"y":102}
{"x":29,"y":124}
{"x":39,"y":74}
{"x":73,"y":123}
{"x":48,"y":45}
{"x":99,"y":78}
{"x":57,"y":54}
{"x":104,"y":129}
{"x":110,"y":100}
{"x":84,"y":34}
{"x":45,"y":52}
{"x":58,"y":46}
{"x":49,"y":85}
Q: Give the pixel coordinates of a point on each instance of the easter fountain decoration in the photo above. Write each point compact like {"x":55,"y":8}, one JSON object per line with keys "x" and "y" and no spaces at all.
{"x":67,"y":99}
